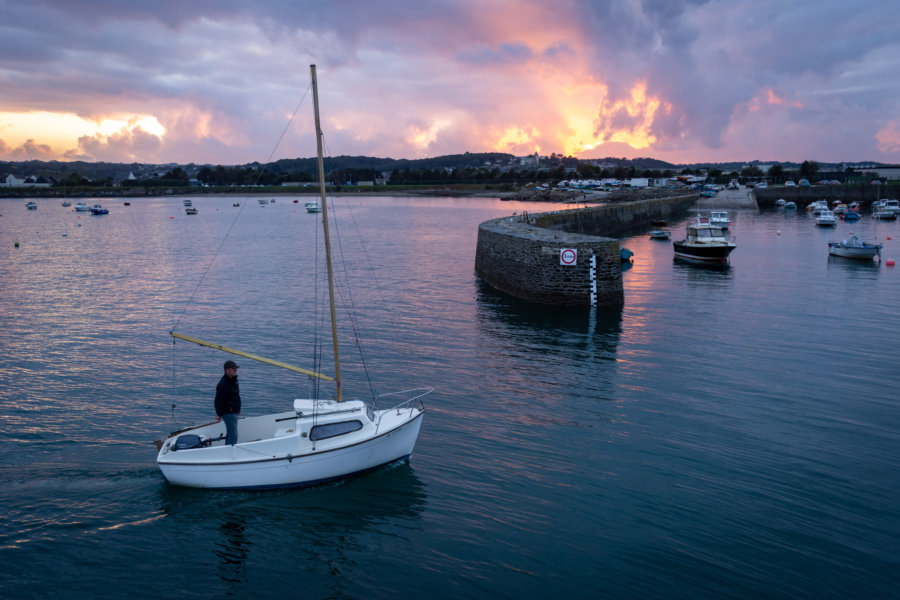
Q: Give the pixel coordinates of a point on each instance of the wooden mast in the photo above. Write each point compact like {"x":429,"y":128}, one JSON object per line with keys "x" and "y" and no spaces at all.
{"x":334,"y":338}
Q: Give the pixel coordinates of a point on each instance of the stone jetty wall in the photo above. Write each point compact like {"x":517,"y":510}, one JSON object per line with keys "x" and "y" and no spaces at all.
{"x":561,"y":258}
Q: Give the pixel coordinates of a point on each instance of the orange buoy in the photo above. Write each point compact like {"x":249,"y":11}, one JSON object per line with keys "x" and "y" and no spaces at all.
{"x":890,"y":262}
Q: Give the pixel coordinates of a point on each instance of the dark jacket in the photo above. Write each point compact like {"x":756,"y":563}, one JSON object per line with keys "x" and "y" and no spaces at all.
{"x":228,"y":396}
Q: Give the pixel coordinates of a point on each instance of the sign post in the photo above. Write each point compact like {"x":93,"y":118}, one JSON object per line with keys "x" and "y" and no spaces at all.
{"x":568,"y":257}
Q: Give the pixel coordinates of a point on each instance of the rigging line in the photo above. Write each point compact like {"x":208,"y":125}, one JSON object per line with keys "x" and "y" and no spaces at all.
{"x":372,"y":272}
{"x":234,"y":221}
{"x":349,"y":307}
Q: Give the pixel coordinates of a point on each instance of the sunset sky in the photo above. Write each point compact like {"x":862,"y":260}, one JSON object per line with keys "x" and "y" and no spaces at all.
{"x":215,"y":81}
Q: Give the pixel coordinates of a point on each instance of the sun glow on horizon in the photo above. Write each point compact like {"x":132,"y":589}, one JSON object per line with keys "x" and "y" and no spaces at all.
{"x":62,"y":131}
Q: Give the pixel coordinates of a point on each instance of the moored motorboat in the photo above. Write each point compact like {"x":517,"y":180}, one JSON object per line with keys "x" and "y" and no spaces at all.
{"x":704,"y":243}
{"x":885,"y":215}
{"x":790,"y":205}
{"x":660,"y":234}
{"x":82,"y":207}
{"x":719,"y":218}
{"x":780,"y":202}
{"x":854,"y":248}
{"x":826,"y":218}
{"x":98,"y":210}
{"x":190,"y":210}
{"x":313,"y":207}
{"x":817,"y":207}
{"x":31,"y":206}
{"x":66,"y":203}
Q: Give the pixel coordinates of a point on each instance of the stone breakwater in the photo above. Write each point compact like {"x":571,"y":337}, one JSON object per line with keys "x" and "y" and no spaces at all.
{"x":562,"y":258}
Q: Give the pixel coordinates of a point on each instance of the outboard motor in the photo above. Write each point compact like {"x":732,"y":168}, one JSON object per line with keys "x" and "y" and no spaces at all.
{"x":187,"y":442}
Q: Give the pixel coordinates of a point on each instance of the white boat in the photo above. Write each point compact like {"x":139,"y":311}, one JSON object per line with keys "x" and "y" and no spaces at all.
{"x":31,"y":206}
{"x":817,"y":207}
{"x":854,"y":248}
{"x":704,"y":243}
{"x":313,"y":207}
{"x":188,"y":202}
{"x":82,"y":207}
{"x":660,"y":234}
{"x":66,"y":203}
{"x":826,"y":218}
{"x":319,"y":440}
{"x":780,"y":202}
{"x":884,"y":214}
{"x":719,"y":218}
{"x":892,"y":205}
{"x":190,"y":210}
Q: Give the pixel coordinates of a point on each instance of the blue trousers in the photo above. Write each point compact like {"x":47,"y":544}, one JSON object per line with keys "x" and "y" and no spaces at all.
{"x":230,"y":429}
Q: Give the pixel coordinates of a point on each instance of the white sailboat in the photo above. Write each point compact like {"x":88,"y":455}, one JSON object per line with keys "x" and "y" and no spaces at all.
{"x":318,"y":440}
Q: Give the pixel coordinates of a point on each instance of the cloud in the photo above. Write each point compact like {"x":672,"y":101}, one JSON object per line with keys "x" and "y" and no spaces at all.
{"x":681,"y":80}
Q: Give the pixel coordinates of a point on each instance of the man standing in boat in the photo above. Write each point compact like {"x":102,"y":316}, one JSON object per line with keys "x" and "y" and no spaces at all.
{"x":228,"y":402}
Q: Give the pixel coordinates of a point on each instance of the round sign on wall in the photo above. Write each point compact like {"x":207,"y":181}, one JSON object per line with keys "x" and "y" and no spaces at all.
{"x":568,"y":256}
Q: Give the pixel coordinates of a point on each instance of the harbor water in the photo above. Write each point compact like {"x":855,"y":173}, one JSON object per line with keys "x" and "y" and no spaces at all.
{"x":728,"y":433}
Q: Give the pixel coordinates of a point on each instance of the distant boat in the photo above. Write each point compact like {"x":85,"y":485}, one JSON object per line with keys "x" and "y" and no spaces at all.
{"x":66,"y":203}
{"x":790,"y":206}
{"x":817,"y":207}
{"x":660,"y":234}
{"x":780,"y":202}
{"x":31,"y":206}
{"x":190,"y":210}
{"x":625,"y":254}
{"x":826,"y":219}
{"x":188,"y":202}
{"x":82,"y":207}
{"x":719,"y":218}
{"x":854,"y":248}
{"x":98,"y":210}
{"x":313,"y":207}
{"x":885,"y":215}
{"x":850,"y":215}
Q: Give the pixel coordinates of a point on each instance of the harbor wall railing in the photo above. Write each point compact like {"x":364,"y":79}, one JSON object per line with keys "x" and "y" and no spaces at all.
{"x":564,"y":257}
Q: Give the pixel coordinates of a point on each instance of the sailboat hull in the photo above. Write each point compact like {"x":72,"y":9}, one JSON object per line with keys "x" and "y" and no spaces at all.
{"x":291,"y":460}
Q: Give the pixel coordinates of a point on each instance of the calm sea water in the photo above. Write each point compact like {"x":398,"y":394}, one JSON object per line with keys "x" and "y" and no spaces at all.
{"x":729,"y":433}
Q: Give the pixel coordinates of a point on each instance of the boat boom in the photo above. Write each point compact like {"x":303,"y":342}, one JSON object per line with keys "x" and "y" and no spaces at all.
{"x":261,"y":359}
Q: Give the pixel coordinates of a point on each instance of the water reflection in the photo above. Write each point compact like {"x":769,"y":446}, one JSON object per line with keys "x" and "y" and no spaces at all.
{"x":703,"y":274}
{"x":856,"y":268}
{"x":233,"y":548}
{"x":319,"y":529}
{"x":520,"y":317}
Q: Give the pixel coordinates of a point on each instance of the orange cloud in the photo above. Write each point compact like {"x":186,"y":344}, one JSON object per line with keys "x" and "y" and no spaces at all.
{"x":628,"y":120}
{"x":889,"y":137}
{"x":519,"y":140}
{"x":773,"y":98}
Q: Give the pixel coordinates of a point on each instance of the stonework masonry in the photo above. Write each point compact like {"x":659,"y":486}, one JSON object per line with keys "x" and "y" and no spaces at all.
{"x":523,"y":255}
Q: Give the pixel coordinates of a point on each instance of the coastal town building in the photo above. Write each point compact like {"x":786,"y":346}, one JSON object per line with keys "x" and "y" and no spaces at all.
{"x":31,"y":181}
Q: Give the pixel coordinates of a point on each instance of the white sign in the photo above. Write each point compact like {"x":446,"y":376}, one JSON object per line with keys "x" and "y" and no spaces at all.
{"x":568,"y":257}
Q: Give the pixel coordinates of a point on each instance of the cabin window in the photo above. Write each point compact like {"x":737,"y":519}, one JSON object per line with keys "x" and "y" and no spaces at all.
{"x":330,"y":430}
